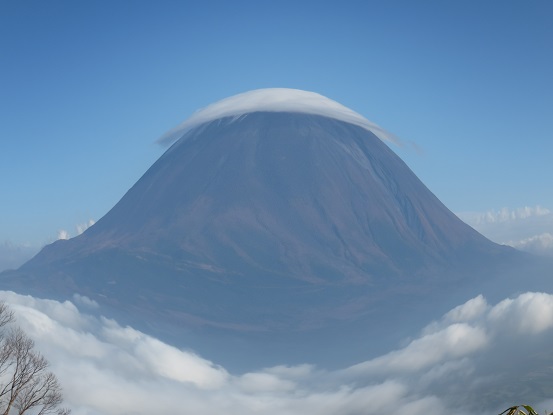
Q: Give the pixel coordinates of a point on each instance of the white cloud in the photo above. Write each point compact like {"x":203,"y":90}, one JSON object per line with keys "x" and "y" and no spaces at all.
{"x":505,"y":215}
{"x":63,"y":234}
{"x":454,"y":341}
{"x":468,"y":312}
{"x":529,"y":313}
{"x":539,"y":244}
{"x":275,"y":99}
{"x":450,"y":367}
{"x":527,"y":228}
{"x":83,"y":300}
{"x":79,"y":229}
{"x":264,"y":382}
{"x":84,"y":226}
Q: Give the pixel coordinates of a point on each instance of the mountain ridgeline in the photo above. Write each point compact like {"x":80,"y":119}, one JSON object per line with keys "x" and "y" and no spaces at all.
{"x":269,"y":223}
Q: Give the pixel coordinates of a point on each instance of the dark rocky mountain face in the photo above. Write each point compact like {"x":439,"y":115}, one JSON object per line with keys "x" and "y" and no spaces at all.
{"x":270,"y":222}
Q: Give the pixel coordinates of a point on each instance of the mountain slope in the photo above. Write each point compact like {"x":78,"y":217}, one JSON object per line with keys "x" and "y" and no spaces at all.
{"x":281,"y":197}
{"x":269,"y":222}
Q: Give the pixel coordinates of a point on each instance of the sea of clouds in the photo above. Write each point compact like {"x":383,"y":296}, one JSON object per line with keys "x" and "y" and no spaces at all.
{"x":477,"y":356}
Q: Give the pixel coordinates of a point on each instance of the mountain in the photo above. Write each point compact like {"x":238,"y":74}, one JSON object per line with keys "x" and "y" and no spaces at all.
{"x":278,"y":215}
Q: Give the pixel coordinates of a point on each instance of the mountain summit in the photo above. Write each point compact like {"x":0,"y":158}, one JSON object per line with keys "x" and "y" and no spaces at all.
{"x":274,"y":100}
{"x":273,"y":211}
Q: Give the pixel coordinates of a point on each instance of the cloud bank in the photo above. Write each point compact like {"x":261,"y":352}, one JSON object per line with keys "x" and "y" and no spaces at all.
{"x":507,"y":215}
{"x":477,"y":356}
{"x":275,"y":100}
{"x":527,"y":228}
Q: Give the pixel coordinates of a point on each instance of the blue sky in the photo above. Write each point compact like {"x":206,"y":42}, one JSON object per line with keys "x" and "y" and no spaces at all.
{"x":87,"y":87}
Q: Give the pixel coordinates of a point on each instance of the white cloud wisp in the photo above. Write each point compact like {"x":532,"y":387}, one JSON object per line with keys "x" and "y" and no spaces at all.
{"x":79,"y":229}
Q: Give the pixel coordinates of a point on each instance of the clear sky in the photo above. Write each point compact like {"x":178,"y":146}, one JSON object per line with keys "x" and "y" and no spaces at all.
{"x":87,"y":87}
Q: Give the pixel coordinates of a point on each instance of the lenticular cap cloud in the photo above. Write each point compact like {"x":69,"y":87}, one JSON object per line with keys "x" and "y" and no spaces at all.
{"x":275,"y":100}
